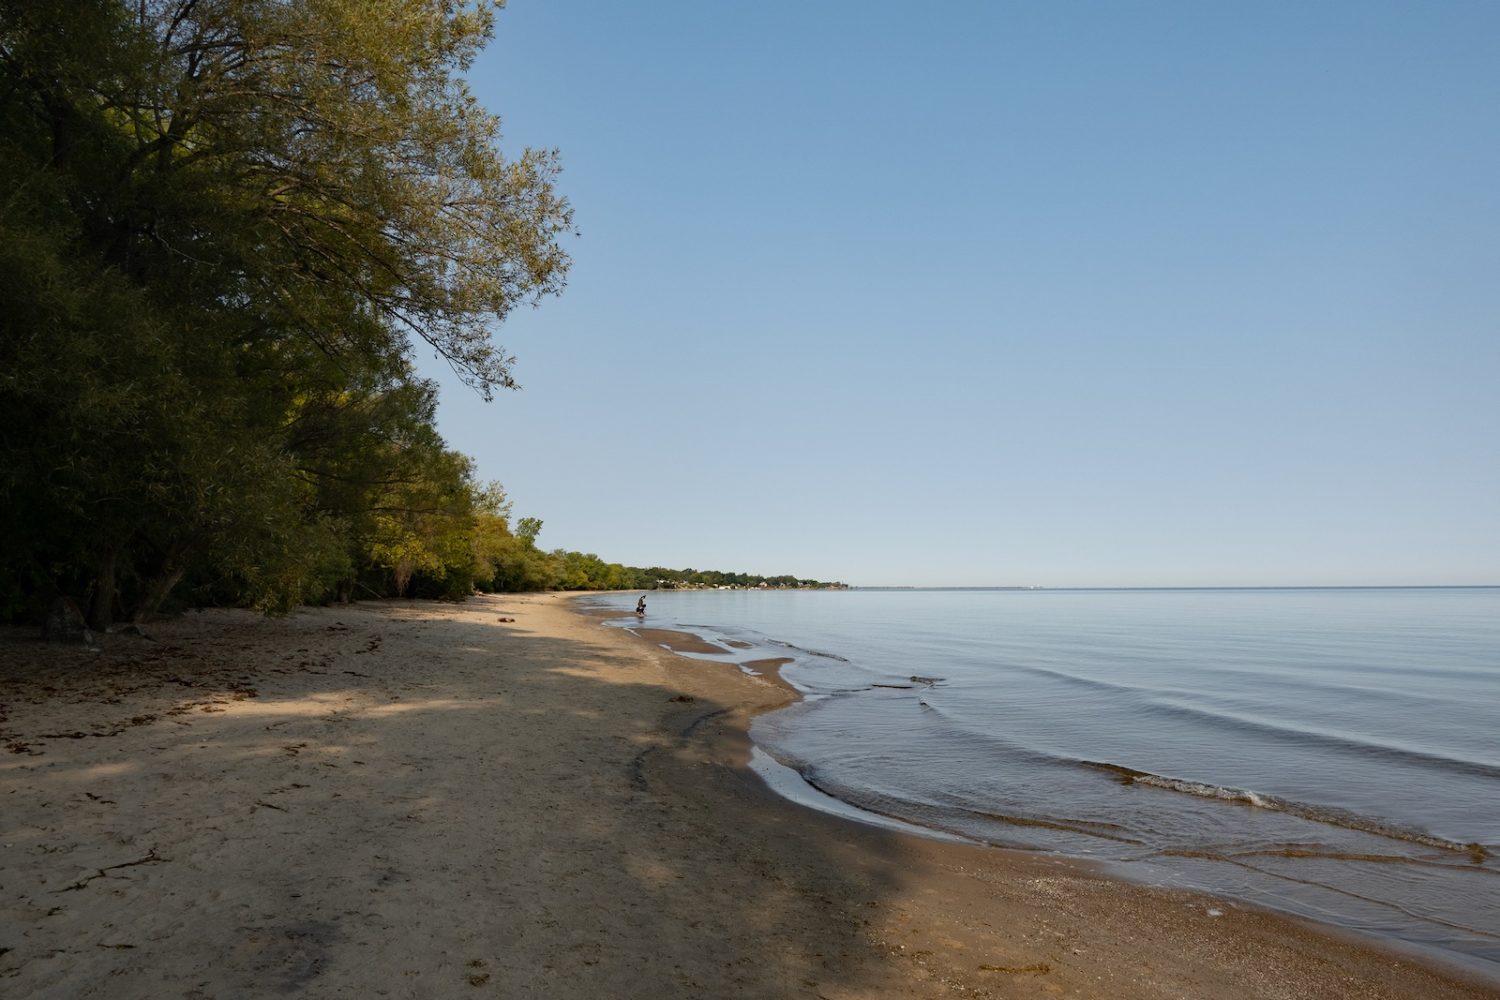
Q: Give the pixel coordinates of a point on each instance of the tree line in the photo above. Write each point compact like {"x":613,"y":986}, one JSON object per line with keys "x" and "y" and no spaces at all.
{"x":585,"y":571}
{"x":227,"y":226}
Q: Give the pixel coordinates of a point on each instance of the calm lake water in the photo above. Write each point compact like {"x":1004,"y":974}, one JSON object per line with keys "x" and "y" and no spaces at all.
{"x":1332,"y":753}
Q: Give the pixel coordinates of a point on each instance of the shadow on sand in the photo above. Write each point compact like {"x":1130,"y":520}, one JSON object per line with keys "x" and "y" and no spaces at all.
{"x":409,"y":800}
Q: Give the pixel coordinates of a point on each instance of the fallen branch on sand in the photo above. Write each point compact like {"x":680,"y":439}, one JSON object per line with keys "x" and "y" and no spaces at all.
{"x":150,"y":859}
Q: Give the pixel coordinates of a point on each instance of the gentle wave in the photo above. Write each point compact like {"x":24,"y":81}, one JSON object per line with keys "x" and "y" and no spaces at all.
{"x":913,"y":813}
{"x":994,"y":744}
{"x":1330,"y":741}
{"x":1078,"y":680}
{"x":1317,"y":814}
{"x":1300,"y":682}
{"x":810,"y":652}
{"x":1306,"y":737}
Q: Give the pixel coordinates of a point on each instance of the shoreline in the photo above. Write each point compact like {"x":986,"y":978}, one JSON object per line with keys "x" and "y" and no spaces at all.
{"x":413,"y":799}
{"x":794,"y":787}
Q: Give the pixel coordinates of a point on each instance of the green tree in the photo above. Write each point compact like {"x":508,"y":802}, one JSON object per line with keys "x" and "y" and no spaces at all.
{"x":528,"y":528}
{"x":228,"y":222}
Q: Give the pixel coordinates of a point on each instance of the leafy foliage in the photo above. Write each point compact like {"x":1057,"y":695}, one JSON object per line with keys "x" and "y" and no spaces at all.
{"x":229,"y":223}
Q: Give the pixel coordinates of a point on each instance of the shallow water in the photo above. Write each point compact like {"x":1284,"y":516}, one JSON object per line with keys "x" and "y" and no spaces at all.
{"x":1332,"y":753}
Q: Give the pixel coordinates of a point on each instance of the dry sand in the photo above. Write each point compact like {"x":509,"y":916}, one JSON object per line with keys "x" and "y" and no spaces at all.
{"x":419,"y":800}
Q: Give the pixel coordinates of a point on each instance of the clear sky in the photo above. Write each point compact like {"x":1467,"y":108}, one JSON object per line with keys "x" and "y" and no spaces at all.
{"x":1045,"y":293}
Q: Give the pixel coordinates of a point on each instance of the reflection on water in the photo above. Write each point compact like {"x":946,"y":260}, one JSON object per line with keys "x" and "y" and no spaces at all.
{"x":1327,"y":752}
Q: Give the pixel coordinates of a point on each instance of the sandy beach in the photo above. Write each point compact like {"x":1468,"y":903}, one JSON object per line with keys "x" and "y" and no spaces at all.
{"x":506,"y":798}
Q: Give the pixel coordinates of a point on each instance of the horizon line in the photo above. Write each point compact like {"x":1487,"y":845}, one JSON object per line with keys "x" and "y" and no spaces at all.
{"x":1227,"y":586}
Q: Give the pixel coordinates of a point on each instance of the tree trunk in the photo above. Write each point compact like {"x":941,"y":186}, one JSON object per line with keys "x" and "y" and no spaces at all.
{"x":102,"y":608}
{"x":172,"y":570}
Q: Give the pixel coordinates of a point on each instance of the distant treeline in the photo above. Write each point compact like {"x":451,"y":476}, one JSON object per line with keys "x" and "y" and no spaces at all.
{"x":225,"y":227}
{"x":580,"y":571}
{"x":507,"y":559}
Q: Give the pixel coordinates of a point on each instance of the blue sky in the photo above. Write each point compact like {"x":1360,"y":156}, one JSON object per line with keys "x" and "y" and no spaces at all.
{"x":1047,"y":294}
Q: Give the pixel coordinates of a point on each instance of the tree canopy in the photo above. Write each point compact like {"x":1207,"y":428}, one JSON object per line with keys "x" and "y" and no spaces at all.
{"x":230,"y":223}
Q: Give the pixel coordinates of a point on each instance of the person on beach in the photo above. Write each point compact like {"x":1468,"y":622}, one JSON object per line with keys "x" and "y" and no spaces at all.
{"x":640,"y":606}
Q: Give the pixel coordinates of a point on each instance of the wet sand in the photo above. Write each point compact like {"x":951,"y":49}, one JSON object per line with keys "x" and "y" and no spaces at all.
{"x":420,"y":800}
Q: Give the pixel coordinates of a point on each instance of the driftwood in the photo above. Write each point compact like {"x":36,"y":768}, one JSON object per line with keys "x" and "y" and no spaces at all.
{"x":150,"y":859}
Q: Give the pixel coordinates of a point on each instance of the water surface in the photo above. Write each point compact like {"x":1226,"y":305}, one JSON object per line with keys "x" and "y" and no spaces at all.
{"x":1331,"y":753}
